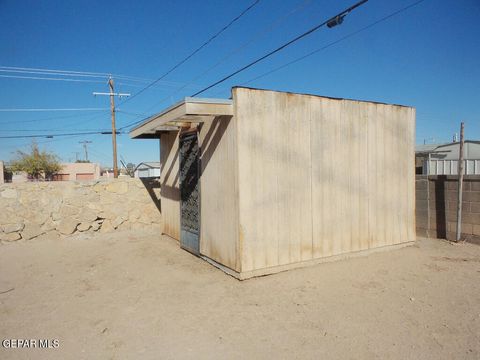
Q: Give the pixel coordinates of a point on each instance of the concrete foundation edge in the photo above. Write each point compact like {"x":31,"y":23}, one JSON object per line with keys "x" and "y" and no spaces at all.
{"x":280,"y":268}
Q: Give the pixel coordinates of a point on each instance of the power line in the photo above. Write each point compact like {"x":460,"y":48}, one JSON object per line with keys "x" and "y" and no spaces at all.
{"x":47,"y":72}
{"x":167,"y":84}
{"x":335,"y":42}
{"x":144,"y":116}
{"x":49,"y":78}
{"x":40,"y":109}
{"x":315,"y":51}
{"x":66,"y":117}
{"x":30,"y":130}
{"x":133,"y":123}
{"x":57,"y":72}
{"x":39,"y":142}
{"x":42,"y":119}
{"x":91,"y":119}
{"x":194,"y":52}
{"x":337,"y":19}
{"x":56,"y":76}
{"x":70,"y":79}
{"x":121,"y":77}
{"x":266,"y":30}
{"x":60,"y":117}
{"x":130,"y":113}
{"x":262,"y":32}
{"x":101,"y":154}
{"x":272,"y":26}
{"x":57,"y":135}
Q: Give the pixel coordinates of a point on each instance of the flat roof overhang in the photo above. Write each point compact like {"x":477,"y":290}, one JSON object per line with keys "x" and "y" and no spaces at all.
{"x":184,"y":113}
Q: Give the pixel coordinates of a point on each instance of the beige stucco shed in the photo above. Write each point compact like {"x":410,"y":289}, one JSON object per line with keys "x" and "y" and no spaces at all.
{"x":271,"y":180}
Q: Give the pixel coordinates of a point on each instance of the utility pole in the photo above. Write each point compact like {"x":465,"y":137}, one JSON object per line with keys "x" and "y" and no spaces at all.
{"x":112,"y":95}
{"x":85,"y":148}
{"x":114,"y":129}
{"x":460,"y":184}
{"x":76,"y":155}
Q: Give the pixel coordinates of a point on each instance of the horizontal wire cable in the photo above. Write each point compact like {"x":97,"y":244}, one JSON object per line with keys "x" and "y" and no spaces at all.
{"x":335,"y":42}
{"x":272,"y":26}
{"x":192,"y":53}
{"x":57,"y":135}
{"x":54,"y":70}
{"x":42,"y":119}
{"x":50,"y":73}
{"x":315,"y":51}
{"x":49,"y":78}
{"x":54,"y":130}
{"x":346,"y":11}
{"x":280,"y":48}
{"x":71,"y":73}
{"x":38,"y":142}
{"x":57,"y":109}
{"x":122,"y":78}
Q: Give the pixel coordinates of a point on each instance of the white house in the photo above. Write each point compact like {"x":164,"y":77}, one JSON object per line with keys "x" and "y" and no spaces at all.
{"x":442,"y":159}
{"x":147,"y":169}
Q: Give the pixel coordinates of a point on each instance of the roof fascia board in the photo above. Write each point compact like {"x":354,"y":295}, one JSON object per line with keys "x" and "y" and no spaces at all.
{"x":158,"y":120}
{"x":180,"y":113}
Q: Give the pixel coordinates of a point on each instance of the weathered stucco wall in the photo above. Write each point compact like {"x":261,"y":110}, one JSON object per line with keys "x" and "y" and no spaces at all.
{"x":219,"y":204}
{"x":170,"y":184}
{"x":56,"y":209}
{"x":320,"y":177}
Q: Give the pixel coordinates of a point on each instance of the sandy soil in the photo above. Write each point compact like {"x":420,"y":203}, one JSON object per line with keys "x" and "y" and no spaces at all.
{"x":130,"y":296}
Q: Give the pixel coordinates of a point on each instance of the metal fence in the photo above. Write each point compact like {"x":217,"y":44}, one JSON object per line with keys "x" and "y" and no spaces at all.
{"x":450,"y":167}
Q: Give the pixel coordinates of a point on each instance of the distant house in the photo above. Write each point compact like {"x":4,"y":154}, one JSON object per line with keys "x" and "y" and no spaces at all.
{"x":147,"y":169}
{"x":78,"y":171}
{"x":442,"y":159}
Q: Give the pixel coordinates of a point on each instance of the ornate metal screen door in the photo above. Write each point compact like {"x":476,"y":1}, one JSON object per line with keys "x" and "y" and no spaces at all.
{"x":189,"y":193}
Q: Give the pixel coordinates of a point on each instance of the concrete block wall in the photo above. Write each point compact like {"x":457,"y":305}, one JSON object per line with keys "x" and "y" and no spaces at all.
{"x":422,"y":206}
{"x":58,"y":209}
{"x":436,"y":207}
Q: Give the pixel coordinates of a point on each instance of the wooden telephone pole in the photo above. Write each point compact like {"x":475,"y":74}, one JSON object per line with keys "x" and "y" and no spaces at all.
{"x":114,"y":129}
{"x":112,"y":95}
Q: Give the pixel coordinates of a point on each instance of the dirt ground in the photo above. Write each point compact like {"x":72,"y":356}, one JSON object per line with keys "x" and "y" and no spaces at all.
{"x":130,"y":296}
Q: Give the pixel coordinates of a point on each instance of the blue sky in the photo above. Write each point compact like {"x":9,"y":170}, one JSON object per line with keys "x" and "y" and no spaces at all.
{"x":426,"y":57}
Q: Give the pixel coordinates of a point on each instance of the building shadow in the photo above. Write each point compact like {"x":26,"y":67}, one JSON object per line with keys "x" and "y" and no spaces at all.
{"x":212,"y":139}
{"x":440,"y":207}
{"x":152,"y":184}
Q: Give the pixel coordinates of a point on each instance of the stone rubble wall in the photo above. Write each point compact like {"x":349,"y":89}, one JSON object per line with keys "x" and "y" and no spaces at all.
{"x":58,"y":209}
